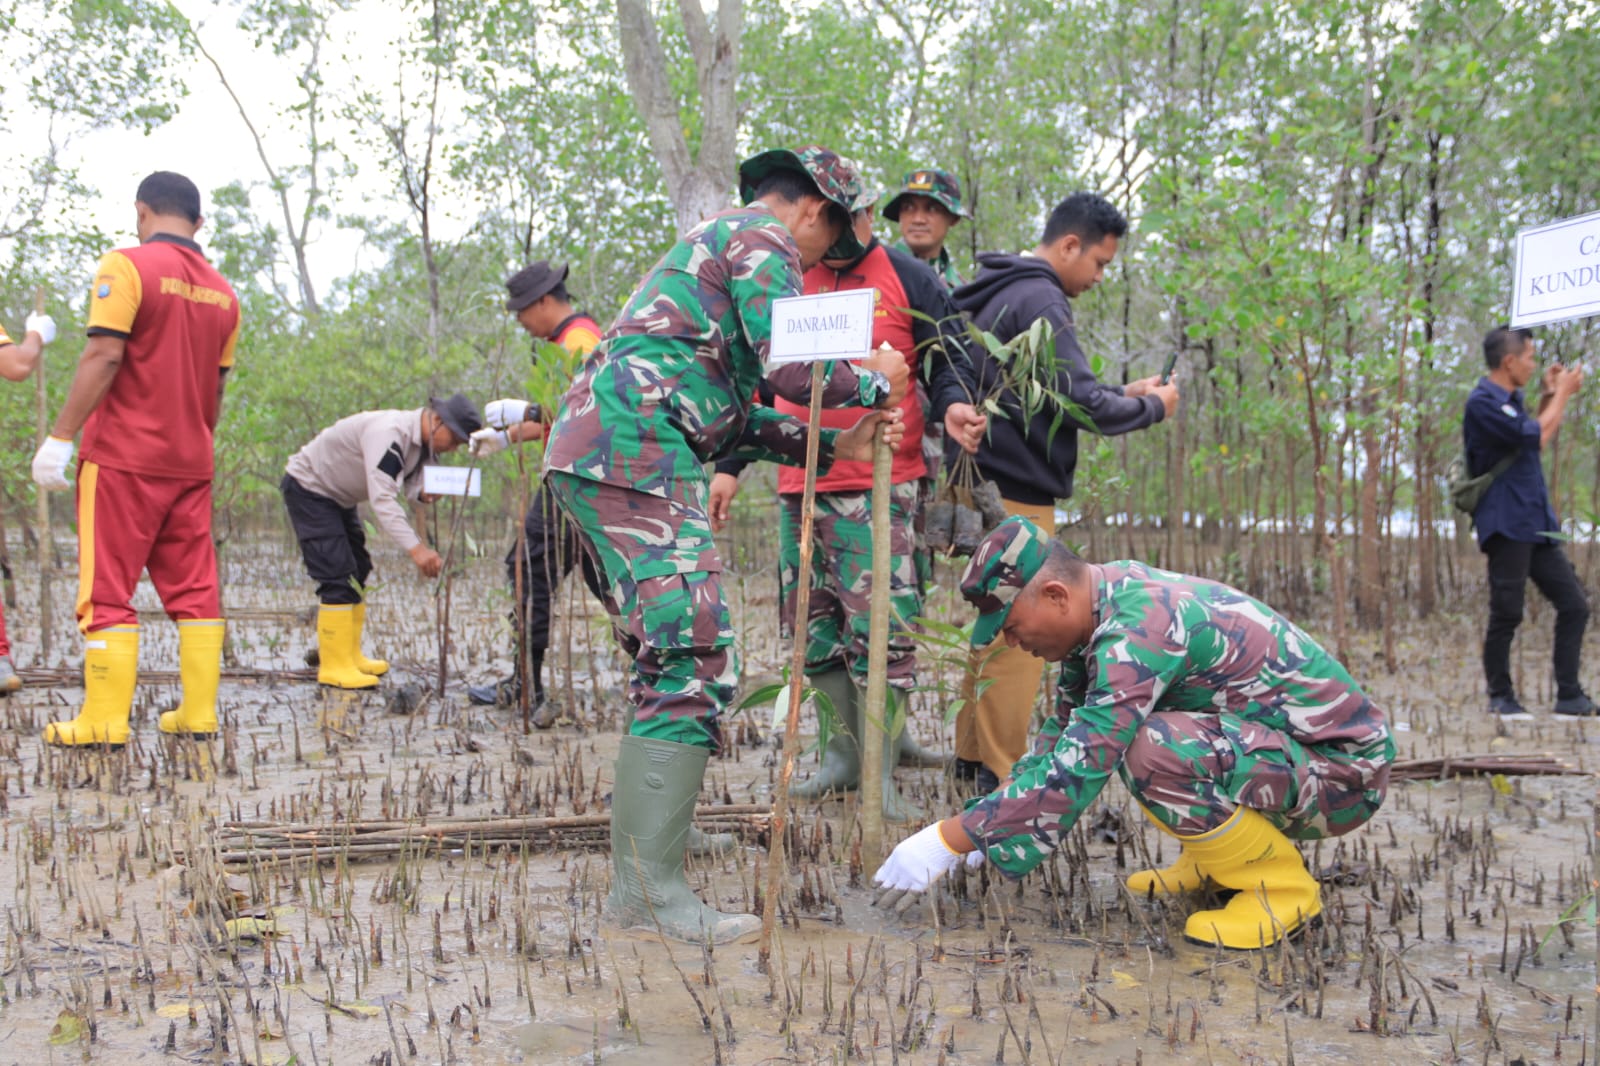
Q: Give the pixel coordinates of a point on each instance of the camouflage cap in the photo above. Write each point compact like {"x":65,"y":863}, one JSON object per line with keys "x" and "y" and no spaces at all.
{"x":1004,"y":563}
{"x":835,"y":177}
{"x":940,"y":186}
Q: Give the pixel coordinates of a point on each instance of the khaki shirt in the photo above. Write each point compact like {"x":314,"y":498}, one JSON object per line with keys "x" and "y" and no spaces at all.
{"x":375,"y":456}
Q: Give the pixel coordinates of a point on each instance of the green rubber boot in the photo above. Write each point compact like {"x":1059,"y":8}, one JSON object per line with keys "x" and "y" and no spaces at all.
{"x":896,"y":808}
{"x":841,"y":759}
{"x":916,"y":757}
{"x":652,"y":806}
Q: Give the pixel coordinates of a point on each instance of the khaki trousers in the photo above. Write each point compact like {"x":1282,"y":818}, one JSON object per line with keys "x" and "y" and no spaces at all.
{"x":993,"y":729}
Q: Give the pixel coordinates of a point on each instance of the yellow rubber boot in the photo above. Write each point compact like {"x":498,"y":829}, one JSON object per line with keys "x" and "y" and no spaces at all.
{"x":336,"y":643}
{"x":200,"y":671}
{"x":375,"y":667}
{"x":110,"y":671}
{"x":1182,"y":876}
{"x":1276,"y":894}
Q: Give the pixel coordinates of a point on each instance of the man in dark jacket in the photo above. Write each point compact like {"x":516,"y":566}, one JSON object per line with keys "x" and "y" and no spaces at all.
{"x":1032,"y":466}
{"x":1517,"y":527}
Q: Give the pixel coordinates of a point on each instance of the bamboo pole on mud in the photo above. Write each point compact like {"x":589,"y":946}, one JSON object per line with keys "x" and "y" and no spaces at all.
{"x":875,"y":732}
{"x":797,"y":673}
{"x":47,"y":542}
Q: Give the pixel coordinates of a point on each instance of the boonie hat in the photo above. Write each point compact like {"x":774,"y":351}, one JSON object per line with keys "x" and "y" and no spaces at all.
{"x":459,"y":414}
{"x":531,"y":282}
{"x":1006,"y":560}
{"x":835,"y":177}
{"x":938,"y":185}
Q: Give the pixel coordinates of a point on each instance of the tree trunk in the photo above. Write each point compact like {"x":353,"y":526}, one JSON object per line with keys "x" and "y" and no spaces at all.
{"x":698,"y":180}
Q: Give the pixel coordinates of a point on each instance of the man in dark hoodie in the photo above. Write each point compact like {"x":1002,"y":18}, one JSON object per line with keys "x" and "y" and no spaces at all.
{"x":1032,"y":467}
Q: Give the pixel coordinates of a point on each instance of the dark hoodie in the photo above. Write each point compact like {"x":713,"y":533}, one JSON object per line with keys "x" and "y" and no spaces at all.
{"x":1024,"y":461}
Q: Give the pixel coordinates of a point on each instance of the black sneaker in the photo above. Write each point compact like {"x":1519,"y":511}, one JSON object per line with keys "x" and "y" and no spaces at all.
{"x":966,"y":769}
{"x":500,"y":694}
{"x":1507,"y":709}
{"x":1579,"y":706}
{"x":986,"y":781}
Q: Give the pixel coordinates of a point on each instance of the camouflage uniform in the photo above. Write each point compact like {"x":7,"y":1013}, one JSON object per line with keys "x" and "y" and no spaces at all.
{"x":1201,"y":698}
{"x":944,"y":188}
{"x":668,"y":390}
{"x":841,"y":581}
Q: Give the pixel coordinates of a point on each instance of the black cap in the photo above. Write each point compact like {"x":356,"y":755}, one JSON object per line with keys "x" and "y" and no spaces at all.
{"x":531,"y":282}
{"x":459,"y":414}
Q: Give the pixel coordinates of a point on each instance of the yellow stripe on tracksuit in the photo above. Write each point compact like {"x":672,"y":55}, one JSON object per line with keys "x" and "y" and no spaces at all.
{"x":88,"y":475}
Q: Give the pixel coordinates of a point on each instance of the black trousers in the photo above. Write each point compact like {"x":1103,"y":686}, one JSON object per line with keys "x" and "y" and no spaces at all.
{"x":551,"y":549}
{"x":1511,"y":564}
{"x":332,"y":542}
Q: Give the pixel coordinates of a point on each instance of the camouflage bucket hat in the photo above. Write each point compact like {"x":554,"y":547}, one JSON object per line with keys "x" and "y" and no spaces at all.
{"x":1004,"y":563}
{"x":835,"y":177}
{"x":940,"y":186}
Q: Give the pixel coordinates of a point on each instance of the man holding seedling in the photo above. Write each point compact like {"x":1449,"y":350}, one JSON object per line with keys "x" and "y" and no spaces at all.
{"x":913,"y":314}
{"x":668,"y":390}
{"x":1032,"y":460}
{"x":537,"y":295}
{"x":1235,"y":731}
{"x":374,"y":457}
{"x":147,"y":393}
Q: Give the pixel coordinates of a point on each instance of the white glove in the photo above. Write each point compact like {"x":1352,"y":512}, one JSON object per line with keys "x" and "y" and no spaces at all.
{"x":919,"y":861}
{"x":50,"y":463}
{"x":43,"y":325}
{"x":487,"y":442}
{"x":503,"y":414}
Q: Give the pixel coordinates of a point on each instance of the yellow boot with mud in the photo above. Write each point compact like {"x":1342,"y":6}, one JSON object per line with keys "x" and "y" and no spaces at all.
{"x":1182,"y":876}
{"x":110,"y":671}
{"x":336,"y":637}
{"x":1276,"y":895}
{"x":199,"y":672}
{"x":375,"y":667}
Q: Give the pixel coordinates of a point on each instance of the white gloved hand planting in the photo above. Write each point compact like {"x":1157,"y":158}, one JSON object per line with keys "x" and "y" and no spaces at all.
{"x":43,"y":325}
{"x":487,"y":442}
{"x":503,"y":414}
{"x":917,"y":862}
{"x":50,"y":463}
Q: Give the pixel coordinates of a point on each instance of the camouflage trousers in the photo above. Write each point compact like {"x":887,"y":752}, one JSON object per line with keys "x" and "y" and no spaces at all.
{"x":839,"y":619}
{"x":1192,"y":771}
{"x":662,"y":578}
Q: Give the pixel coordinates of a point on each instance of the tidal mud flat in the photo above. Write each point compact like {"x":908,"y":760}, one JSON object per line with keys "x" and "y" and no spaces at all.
{"x":400,"y":877}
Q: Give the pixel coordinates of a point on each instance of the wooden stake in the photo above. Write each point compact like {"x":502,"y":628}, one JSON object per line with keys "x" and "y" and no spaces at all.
{"x":797,"y":672}
{"x":46,"y":540}
{"x":875,"y":714}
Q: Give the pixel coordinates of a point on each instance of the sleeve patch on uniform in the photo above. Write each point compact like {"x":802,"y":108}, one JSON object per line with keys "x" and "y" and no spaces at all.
{"x":393,"y":462}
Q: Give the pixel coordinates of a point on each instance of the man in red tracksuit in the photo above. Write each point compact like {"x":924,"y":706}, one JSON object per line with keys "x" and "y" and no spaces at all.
{"x":162,"y":329}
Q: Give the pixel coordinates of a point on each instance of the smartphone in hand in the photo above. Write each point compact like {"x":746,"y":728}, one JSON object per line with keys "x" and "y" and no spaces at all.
{"x":1166,"y":368}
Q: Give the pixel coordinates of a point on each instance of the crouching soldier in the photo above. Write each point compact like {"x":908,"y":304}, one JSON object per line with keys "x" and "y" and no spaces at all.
{"x":1234,"y":730}
{"x":376,"y":456}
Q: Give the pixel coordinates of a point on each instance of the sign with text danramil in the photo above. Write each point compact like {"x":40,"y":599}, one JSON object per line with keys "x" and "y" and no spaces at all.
{"x":829,"y":325}
{"x":1558,"y":271}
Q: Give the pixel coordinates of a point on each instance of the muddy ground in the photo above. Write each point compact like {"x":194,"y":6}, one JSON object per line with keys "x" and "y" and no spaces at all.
{"x":1442,"y":939}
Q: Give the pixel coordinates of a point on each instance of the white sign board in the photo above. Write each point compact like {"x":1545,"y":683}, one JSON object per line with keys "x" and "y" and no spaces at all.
{"x":1558,"y":271}
{"x":452,"y":481}
{"x":830,"y":325}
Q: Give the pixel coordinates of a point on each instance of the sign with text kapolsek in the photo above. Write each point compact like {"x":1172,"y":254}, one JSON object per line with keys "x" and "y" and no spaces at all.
{"x":830,"y":325}
{"x":1558,"y":271}
{"x":452,"y":480}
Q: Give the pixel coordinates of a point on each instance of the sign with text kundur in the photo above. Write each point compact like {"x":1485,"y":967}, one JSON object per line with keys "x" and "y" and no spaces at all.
{"x":1558,"y":271}
{"x":830,"y":325}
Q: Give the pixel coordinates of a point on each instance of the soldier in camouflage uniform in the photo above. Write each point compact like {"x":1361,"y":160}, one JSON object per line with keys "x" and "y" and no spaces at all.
{"x":668,"y":390}
{"x":1232,"y":728}
{"x":926,"y":207}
